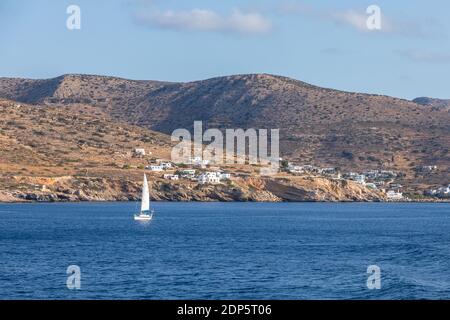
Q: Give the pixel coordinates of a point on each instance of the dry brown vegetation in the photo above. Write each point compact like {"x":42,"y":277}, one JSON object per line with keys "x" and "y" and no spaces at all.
{"x":68,"y":141}
{"x":325,"y":127}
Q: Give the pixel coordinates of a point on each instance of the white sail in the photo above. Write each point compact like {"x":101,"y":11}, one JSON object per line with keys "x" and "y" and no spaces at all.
{"x":145,"y":204}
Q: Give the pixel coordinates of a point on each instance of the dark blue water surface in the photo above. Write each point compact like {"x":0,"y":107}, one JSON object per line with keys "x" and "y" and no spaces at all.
{"x":225,"y":251}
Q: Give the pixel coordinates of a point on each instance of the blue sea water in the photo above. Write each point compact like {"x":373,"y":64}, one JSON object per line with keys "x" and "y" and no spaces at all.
{"x":225,"y":251}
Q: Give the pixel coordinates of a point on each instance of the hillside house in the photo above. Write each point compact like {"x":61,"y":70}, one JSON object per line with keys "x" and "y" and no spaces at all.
{"x":199,"y":162}
{"x":394,"y":195}
{"x":379,"y":183}
{"x":173,"y":177}
{"x":427,"y":169}
{"x":360,"y":178}
{"x":371,"y":186}
{"x":225,"y":175}
{"x":440,"y":192}
{"x":209,"y":177}
{"x":154,"y":167}
{"x":354,"y":176}
{"x":328,"y":171}
{"x":309,"y":168}
{"x":188,"y":171}
{"x":295,"y":169}
{"x":387,"y":174}
{"x":444,"y":191}
{"x":139,"y":152}
{"x":166,"y":165}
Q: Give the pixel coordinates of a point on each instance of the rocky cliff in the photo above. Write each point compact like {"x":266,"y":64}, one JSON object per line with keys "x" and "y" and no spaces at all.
{"x":72,"y":189}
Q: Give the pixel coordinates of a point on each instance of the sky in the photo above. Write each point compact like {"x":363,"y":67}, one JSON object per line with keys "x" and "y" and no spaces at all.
{"x":325,"y":43}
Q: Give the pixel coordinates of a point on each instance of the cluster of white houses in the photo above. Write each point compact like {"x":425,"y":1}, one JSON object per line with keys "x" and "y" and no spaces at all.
{"x":297,"y":169}
{"x":159,"y":167}
{"x":427,"y":169}
{"x":204,"y":177}
{"x":207,"y":177}
{"x":170,"y":176}
{"x":214,"y":176}
{"x":442,"y":192}
{"x":373,"y":179}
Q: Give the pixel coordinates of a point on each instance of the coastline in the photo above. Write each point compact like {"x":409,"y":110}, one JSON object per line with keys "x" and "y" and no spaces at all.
{"x":225,"y":201}
{"x":246,"y":189}
{"x":117,"y":189}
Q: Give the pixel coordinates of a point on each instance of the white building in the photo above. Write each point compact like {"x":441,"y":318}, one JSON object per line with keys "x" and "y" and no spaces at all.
{"x":328,"y":171}
{"x":387,"y":174}
{"x":440,"y":192}
{"x":225,"y":175}
{"x":427,"y":168}
{"x":209,"y":177}
{"x":361,"y":179}
{"x":309,"y":168}
{"x":444,"y":191}
{"x":139,"y":151}
{"x":394,"y":195}
{"x":295,"y":169}
{"x":199,"y":162}
{"x":371,"y":186}
{"x":188,"y":171}
{"x":166,"y":165}
{"x":154,"y":167}
{"x":171,"y":177}
{"x":379,"y":183}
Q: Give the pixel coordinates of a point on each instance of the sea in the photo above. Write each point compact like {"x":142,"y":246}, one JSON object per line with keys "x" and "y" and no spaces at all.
{"x":235,"y":250}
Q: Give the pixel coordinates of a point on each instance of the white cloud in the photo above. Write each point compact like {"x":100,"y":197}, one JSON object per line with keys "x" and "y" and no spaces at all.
{"x":351,"y":18}
{"x":208,"y":21}
{"x":356,"y":19}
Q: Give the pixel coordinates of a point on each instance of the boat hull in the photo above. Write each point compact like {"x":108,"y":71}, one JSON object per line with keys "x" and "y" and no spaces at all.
{"x":143,"y":217}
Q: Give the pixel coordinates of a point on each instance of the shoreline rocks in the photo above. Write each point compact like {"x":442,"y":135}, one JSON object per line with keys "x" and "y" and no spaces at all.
{"x":80,"y":189}
{"x":256,"y":189}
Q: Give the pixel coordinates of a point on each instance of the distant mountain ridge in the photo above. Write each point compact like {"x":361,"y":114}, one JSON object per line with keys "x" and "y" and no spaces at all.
{"x":72,"y":88}
{"x":322,"y":126}
{"x":439,"y":103}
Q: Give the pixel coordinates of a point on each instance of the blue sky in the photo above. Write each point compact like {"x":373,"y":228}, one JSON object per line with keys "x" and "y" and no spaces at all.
{"x":321,"y":42}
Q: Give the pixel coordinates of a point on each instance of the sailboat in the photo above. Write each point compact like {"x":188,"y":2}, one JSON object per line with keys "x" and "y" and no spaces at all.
{"x":146,"y":213}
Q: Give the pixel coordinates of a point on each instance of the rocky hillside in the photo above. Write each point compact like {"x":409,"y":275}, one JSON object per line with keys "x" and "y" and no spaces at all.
{"x":126,"y":186}
{"x":77,"y":153}
{"x":69,"y":139}
{"x":69,"y":89}
{"x":320,"y":126}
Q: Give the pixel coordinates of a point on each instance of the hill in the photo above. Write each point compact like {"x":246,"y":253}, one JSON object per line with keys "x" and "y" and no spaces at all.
{"x":325,"y":127}
{"x":75,"y":153}
{"x":435,"y":103}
